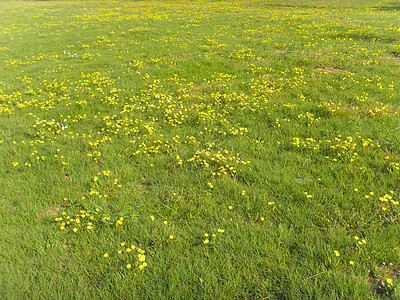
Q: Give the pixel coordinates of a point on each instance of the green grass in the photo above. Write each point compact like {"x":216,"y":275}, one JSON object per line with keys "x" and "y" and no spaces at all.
{"x":251,"y":149}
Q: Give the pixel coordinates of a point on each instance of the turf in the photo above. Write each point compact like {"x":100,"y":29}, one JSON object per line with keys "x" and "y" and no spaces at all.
{"x":199,"y":149}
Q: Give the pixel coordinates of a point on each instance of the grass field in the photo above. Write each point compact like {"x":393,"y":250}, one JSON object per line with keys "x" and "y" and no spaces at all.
{"x":199,"y":150}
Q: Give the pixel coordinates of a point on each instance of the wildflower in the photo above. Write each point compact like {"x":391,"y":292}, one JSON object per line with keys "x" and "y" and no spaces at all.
{"x":152,"y":218}
{"x":206,"y":241}
{"x":230,"y":207}
{"x":221,"y":230}
{"x":105,"y":255}
{"x":389,"y":280}
{"x":336,"y":253}
{"x":351,"y":263}
{"x":171,"y":237}
{"x":75,"y":230}
{"x":243,"y":193}
{"x":141,"y":257}
{"x":165,"y":222}
{"x":128,"y":266}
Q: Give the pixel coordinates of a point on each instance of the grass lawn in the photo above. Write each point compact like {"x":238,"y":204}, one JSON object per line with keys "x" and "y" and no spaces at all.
{"x":200,"y":149}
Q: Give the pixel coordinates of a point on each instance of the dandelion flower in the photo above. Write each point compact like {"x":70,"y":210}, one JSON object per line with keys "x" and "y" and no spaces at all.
{"x":128,"y":266}
{"x":105,"y":255}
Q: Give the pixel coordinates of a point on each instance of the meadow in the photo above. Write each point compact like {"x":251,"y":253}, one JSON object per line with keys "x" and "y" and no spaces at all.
{"x":200,"y":149}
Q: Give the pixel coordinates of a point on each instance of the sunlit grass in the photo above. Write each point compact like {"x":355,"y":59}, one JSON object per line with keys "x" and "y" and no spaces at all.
{"x":189,"y":150}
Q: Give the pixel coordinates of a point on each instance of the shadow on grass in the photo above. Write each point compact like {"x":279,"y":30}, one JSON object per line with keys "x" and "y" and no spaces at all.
{"x":390,"y":6}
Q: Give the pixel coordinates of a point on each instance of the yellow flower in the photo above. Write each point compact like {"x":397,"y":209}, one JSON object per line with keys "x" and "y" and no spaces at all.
{"x":152,"y":218}
{"x":105,"y":255}
{"x":336,"y":253}
{"x":389,"y":280}
{"x":171,"y":237}
{"x":206,"y":241}
{"x":221,"y":230}
{"x":165,"y":222}
{"x":243,"y":193}
{"x":351,"y":262}
{"x":128,"y":266}
{"x":230,"y":207}
{"x":75,"y":230}
{"x":141,"y":257}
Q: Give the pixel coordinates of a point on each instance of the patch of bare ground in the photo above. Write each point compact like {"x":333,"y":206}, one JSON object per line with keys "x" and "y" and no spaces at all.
{"x":52,"y":211}
{"x":382,"y":288}
{"x":396,"y":55}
